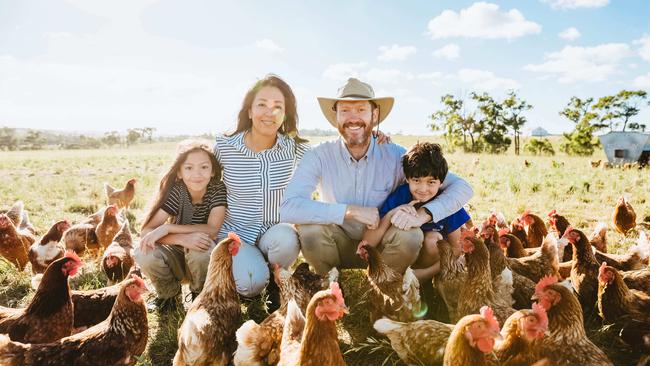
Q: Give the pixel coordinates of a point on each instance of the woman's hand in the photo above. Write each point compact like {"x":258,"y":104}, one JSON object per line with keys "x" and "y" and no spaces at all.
{"x":196,"y":241}
{"x":381,"y":137}
{"x":148,"y":242}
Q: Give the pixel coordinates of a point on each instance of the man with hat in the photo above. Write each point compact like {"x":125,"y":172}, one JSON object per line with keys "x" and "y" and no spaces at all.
{"x":353,"y":176}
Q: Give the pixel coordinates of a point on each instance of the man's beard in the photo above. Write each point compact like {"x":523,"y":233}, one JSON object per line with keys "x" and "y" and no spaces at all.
{"x":356,"y":141}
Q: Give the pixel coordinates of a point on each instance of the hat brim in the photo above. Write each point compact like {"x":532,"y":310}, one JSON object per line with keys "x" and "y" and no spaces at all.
{"x":385,"y":105}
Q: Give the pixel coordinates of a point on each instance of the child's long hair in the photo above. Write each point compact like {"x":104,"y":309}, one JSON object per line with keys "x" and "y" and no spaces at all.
{"x":168,"y":180}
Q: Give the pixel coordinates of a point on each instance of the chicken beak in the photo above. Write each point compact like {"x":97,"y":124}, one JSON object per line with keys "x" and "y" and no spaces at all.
{"x":534,"y":297}
{"x":345,"y":310}
{"x":497,"y":335}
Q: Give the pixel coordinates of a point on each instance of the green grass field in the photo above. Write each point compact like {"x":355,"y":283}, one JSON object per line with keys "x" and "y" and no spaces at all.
{"x":69,"y":184}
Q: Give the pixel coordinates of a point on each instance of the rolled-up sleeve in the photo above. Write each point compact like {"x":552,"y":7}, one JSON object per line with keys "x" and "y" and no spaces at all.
{"x":298,"y":207}
{"x":456,"y":192}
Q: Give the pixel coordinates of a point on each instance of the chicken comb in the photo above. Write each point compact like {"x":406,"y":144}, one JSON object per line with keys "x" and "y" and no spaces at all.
{"x":492,"y":219}
{"x":138,"y":281}
{"x":488,"y":315}
{"x":526,"y":213}
{"x":467,"y":234}
{"x":540,"y":312}
{"x":504,"y":231}
{"x":552,"y":213}
{"x":72,"y":255}
{"x":602,"y":268}
{"x":338,"y":294}
{"x":234,"y":237}
{"x":543,"y":282}
{"x":568,"y":230}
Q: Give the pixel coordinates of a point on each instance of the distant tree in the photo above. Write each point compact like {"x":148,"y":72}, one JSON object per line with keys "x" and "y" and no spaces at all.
{"x":447,"y":119}
{"x":539,"y":147}
{"x":8,"y":139}
{"x":581,"y":140}
{"x":618,"y":109}
{"x":494,"y":131}
{"x":132,"y":136}
{"x":111,"y":138}
{"x":34,"y":140}
{"x":512,"y":110}
{"x":147,"y":133}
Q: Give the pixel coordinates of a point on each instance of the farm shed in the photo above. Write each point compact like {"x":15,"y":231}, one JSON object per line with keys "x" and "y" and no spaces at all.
{"x":626,"y":147}
{"x":539,"y":132}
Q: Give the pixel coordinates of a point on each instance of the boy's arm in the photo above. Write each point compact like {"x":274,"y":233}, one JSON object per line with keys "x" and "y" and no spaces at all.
{"x":374,"y":236}
{"x":297,"y":205}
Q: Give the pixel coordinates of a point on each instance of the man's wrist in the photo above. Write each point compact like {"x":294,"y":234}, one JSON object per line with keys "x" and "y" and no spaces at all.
{"x":426,"y":214}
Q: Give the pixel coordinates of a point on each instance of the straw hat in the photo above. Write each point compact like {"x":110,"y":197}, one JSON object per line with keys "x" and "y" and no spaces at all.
{"x":353,"y":90}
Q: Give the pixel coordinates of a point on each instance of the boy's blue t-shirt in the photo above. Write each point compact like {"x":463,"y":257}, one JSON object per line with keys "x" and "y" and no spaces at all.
{"x":403,"y":195}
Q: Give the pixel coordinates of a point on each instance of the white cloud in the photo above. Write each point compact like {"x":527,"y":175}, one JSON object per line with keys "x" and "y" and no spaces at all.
{"x":388,"y":76}
{"x":573,"y":64}
{"x":395,"y":52}
{"x":486,"y":80}
{"x":268,"y":45}
{"x":644,"y":50}
{"x":643,"y":81}
{"x":570,"y":34}
{"x":448,"y":52}
{"x":574,"y":4}
{"x":344,"y":70}
{"x":434,"y":77}
{"x":481,"y":20}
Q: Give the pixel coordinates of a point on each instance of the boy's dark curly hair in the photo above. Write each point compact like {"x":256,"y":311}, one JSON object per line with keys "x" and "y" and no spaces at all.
{"x":423,"y":160}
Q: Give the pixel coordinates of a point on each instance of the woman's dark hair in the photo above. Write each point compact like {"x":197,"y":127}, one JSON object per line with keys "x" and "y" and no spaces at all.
{"x":170,"y":176}
{"x":290,"y":124}
{"x":425,"y":160}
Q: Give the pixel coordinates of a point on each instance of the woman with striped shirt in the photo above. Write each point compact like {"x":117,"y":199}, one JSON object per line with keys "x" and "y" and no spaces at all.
{"x":258,"y":160}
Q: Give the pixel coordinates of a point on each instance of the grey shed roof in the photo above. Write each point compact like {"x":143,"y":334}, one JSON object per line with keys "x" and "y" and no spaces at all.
{"x":628,"y":145}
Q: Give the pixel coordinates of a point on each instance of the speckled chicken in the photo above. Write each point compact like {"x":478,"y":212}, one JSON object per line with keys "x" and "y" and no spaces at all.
{"x":207,"y":335}
{"x":566,"y":343}
{"x":394,"y":295}
{"x":49,"y":316}
{"x":48,"y":248}
{"x":118,"y":340}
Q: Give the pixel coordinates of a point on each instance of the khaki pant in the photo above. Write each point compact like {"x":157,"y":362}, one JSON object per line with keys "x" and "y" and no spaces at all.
{"x":167,"y":266}
{"x":328,"y":246}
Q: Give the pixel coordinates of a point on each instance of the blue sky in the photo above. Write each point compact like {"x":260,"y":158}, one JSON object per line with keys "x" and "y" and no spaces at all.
{"x":184,"y":66}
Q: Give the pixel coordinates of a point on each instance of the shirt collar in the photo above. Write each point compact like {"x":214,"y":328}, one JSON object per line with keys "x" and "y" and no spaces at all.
{"x":281,"y":142}
{"x":345,"y":153}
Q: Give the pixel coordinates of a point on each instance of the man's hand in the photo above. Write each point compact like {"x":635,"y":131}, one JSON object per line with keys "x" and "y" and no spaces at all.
{"x":405,"y":220}
{"x":196,"y":241}
{"x":368,"y":216}
{"x":409,"y":208}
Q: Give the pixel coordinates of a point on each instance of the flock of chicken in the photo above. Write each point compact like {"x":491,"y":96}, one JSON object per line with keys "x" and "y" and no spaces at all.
{"x":508,"y":274}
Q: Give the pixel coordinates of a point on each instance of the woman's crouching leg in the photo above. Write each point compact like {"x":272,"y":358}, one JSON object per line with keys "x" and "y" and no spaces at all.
{"x":280,"y":245}
{"x":250,"y":270}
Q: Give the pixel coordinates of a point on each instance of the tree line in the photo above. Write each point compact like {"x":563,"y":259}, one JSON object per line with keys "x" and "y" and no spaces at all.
{"x":13,"y":139}
{"x":493,"y":125}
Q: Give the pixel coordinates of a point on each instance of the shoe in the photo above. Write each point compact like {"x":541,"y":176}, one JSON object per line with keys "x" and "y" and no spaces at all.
{"x":190,"y":297}
{"x":167,"y":305}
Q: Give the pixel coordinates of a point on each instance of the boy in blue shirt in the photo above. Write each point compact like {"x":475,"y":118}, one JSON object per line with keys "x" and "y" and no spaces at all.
{"x":425,"y":169}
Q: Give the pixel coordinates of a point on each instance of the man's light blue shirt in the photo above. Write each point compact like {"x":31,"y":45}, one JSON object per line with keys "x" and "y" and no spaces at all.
{"x":341,"y":180}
